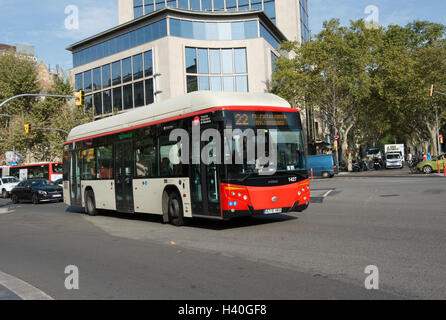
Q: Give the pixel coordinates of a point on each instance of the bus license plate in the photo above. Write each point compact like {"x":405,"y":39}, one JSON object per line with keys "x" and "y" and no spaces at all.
{"x":273,"y":211}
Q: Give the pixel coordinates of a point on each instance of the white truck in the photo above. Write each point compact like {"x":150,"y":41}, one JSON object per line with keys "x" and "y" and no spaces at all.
{"x":395,"y":148}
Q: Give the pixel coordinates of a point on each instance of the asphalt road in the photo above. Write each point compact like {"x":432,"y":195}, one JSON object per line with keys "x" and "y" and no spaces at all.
{"x":397,"y":223}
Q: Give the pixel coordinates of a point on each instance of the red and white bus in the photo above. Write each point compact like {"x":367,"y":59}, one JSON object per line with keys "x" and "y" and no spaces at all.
{"x":122,"y":162}
{"x":46,"y":170}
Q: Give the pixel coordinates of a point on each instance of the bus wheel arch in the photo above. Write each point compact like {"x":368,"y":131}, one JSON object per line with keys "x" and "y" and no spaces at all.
{"x":90,"y":202}
{"x":173,"y":206}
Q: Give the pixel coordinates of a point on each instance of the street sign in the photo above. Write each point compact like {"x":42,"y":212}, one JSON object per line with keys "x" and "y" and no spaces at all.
{"x":13,"y":164}
{"x":336,"y":138}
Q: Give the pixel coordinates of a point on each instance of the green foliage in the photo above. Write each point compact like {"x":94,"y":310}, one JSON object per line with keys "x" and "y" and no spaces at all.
{"x":18,"y":76}
{"x":374,"y":81}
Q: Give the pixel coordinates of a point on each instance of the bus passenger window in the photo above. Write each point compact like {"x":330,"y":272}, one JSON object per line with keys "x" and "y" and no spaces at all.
{"x":145,"y":159}
{"x":105,"y":162}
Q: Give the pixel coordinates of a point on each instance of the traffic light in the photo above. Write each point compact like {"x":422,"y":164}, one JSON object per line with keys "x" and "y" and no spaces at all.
{"x":27,"y":128}
{"x":432,"y":90}
{"x":80,"y":98}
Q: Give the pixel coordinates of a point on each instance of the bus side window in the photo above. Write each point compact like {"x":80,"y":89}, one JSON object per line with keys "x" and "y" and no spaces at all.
{"x":104,"y":157}
{"x":146,"y":159}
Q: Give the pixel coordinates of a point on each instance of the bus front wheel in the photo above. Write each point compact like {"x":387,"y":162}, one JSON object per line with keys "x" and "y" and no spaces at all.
{"x":91,"y":204}
{"x":175,"y":209}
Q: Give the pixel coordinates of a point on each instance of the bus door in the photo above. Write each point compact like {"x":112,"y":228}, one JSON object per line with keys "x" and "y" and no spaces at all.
{"x":205,"y":181}
{"x":75,"y":179}
{"x":124,"y":176}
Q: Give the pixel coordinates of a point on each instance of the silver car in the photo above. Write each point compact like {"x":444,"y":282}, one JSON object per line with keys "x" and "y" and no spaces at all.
{"x":394,"y":160}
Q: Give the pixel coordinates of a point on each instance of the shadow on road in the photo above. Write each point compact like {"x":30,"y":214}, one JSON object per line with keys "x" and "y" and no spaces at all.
{"x":202,"y":223}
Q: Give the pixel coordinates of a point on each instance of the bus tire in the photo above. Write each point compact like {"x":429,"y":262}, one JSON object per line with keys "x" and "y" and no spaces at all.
{"x":90,"y":203}
{"x":175,"y":209}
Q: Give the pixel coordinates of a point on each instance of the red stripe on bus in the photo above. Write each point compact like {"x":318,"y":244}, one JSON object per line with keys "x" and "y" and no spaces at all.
{"x":236,"y":108}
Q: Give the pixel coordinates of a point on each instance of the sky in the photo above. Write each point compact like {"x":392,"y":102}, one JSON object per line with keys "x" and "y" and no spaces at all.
{"x":42,"y":23}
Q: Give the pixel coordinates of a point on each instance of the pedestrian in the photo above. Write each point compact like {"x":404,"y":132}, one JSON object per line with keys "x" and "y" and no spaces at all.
{"x":428,"y":157}
{"x":424,"y":156}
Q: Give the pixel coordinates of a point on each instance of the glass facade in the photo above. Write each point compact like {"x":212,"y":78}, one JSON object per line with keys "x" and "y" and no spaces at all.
{"x":304,"y":20}
{"x":121,"y":85}
{"x":264,"y":33}
{"x":178,"y":28}
{"x":120,"y":43}
{"x":216,"y":69}
{"x":213,"y":30}
{"x":142,"y":7}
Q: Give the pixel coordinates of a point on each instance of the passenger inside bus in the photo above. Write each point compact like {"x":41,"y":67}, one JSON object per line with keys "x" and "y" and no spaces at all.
{"x":166,"y":170}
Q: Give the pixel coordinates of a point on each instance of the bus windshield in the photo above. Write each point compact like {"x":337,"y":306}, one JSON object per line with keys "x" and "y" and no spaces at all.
{"x":287,"y":137}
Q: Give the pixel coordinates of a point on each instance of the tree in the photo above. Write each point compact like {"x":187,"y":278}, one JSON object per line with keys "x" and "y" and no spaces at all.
{"x":329,"y":74}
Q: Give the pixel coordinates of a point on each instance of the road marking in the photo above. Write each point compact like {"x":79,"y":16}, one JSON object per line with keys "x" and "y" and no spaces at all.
{"x":327,"y":193}
{"x":22,"y":289}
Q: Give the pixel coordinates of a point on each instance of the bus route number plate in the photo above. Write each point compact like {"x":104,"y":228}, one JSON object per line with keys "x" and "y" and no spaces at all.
{"x":273,"y":211}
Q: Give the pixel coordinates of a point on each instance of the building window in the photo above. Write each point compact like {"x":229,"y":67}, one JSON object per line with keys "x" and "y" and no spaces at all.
{"x":116,"y":69}
{"x":213,"y":30}
{"x":126,"y":70}
{"x":106,"y":76}
{"x":141,"y":7}
{"x":218,"y":69}
{"x":138,"y":89}
{"x":121,"y":43}
{"x":138,"y":8}
{"x":137,"y":67}
{"x":264,"y":33}
{"x":87,"y":81}
{"x":117,"y":99}
{"x":128,"y":97}
{"x":137,"y":73}
{"x":79,"y":81}
{"x":97,"y":79}
{"x":97,"y":101}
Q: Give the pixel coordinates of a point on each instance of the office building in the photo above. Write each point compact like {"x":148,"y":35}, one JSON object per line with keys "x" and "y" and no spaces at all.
{"x":162,"y":49}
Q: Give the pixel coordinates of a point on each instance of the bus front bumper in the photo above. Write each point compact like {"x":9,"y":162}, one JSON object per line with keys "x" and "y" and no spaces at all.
{"x":227,"y":215}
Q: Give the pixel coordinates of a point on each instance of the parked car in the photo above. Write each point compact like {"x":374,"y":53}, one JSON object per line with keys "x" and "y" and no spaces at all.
{"x":430,"y":166}
{"x":323,"y":165}
{"x":59,"y":182}
{"x":7,"y":184}
{"x":37,"y":191}
{"x":394,"y":160}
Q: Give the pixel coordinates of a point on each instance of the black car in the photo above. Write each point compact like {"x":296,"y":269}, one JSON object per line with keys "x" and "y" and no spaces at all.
{"x":37,"y":190}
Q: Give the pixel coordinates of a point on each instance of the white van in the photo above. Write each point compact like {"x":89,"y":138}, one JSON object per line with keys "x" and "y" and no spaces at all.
{"x":394,"y":160}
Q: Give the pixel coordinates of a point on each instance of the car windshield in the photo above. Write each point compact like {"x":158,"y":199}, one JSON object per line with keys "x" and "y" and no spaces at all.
{"x":283,"y":129}
{"x":393,"y":156}
{"x":39,"y":183}
{"x":10,"y":180}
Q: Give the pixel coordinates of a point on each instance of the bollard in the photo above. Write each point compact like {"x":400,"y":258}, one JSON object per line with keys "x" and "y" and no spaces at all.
{"x":312,"y":178}
{"x":438,"y":165}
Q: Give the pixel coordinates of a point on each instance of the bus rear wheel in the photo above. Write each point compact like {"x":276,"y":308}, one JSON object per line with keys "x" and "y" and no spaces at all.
{"x":90,"y":205}
{"x":175,"y":209}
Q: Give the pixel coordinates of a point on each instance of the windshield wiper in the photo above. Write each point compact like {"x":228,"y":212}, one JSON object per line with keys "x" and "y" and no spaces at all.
{"x":249,"y":175}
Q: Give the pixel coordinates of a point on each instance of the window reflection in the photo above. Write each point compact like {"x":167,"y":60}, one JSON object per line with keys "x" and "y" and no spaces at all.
{"x":137,"y":67}
{"x":212,"y":65}
{"x":106,"y":77}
